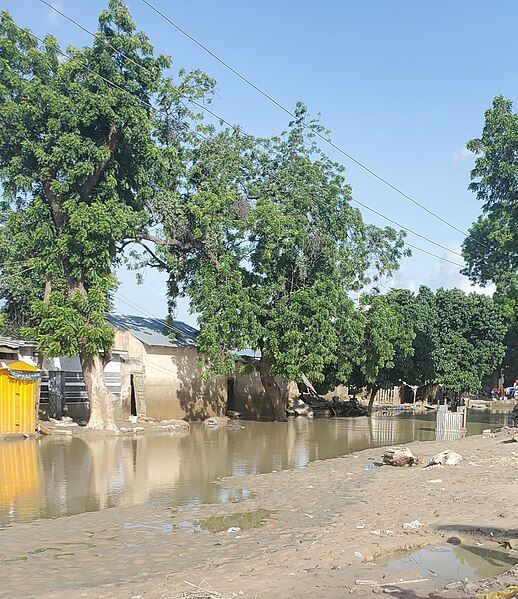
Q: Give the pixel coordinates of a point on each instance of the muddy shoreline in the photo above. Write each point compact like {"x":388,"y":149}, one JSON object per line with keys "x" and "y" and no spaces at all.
{"x":311,"y":531}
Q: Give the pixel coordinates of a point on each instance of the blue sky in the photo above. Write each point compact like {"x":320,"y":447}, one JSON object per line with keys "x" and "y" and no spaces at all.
{"x":401,"y":84}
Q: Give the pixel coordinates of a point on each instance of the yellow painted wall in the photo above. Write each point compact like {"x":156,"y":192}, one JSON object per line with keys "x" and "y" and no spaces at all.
{"x":17,"y":400}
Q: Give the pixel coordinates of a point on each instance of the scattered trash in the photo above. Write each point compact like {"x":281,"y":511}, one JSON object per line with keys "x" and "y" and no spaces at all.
{"x":214,"y":422}
{"x":399,"y":456}
{"x":376,"y":532}
{"x":133,"y":419}
{"x":447,"y":457}
{"x":358,"y":554}
{"x":360,"y":525}
{"x":233,"y":529}
{"x":413,"y":524}
{"x":486,"y":431}
{"x":434,"y":481}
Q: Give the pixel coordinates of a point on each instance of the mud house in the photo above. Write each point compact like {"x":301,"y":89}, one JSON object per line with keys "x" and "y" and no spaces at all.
{"x":161,"y":371}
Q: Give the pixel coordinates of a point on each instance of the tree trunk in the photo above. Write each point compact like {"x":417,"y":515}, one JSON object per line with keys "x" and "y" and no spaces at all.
{"x":274,"y":393}
{"x":101,"y":400}
{"x":372,"y":397}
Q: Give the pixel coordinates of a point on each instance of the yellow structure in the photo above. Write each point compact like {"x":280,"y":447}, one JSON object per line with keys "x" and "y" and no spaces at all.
{"x":18,"y":389}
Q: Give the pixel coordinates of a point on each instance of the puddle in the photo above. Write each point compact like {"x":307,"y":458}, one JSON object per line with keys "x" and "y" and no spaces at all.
{"x":235,"y":522}
{"x":447,"y":563}
{"x":241,"y":521}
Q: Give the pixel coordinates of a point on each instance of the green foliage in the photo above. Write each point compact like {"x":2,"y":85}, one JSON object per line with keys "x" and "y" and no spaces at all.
{"x":386,"y":340}
{"x":447,"y":338}
{"x":268,"y":247}
{"x":491,"y":251}
{"x":79,"y":164}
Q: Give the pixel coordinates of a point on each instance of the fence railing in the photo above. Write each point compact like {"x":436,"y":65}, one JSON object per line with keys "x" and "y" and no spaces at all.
{"x":61,"y":387}
{"x":450,"y":425}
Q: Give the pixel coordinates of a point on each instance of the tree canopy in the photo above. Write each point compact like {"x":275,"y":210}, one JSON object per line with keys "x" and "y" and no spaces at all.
{"x":279,"y":249}
{"x":78,"y":164}
{"x":491,"y":250}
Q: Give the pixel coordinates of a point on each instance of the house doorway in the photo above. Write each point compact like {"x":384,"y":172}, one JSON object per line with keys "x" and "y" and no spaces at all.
{"x":231,"y":400}
{"x":133,"y":402}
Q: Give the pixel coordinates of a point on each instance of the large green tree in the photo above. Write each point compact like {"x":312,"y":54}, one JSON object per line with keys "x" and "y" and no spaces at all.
{"x":274,"y":248}
{"x":386,"y":338}
{"x":470,"y":339}
{"x":447,"y":338}
{"x":78,"y":165}
{"x":491,"y":250}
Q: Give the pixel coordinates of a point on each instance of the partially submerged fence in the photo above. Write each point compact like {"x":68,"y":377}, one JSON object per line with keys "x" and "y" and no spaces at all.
{"x":450,"y":425}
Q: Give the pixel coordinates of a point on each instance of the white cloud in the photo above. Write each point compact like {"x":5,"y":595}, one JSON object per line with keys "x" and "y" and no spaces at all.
{"x":442,"y":274}
{"x":462,"y":157}
{"x":402,"y":279}
{"x":448,"y":275}
{"x":52,"y":16}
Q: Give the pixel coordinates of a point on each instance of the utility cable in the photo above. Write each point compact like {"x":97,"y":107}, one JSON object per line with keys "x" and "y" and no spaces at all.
{"x":148,"y":105}
{"x":291,"y":114}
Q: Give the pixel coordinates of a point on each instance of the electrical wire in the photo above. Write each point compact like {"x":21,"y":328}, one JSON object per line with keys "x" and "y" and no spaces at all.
{"x":66,"y":55}
{"x":291,"y":114}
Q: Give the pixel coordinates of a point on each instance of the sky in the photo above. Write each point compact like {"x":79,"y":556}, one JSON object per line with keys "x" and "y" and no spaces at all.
{"x":402,"y":85}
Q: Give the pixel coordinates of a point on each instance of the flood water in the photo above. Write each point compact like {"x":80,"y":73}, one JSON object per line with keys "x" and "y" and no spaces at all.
{"x":447,"y":563}
{"x":52,"y":477}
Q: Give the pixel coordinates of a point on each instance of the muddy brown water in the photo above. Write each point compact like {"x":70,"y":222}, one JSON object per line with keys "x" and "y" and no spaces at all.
{"x":53,"y":477}
{"x":447,"y":563}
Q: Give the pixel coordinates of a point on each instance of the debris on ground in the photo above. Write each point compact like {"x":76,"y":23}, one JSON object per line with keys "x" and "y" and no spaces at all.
{"x":333,"y":408}
{"x":413,"y":525}
{"x":204,"y":591}
{"x":446,"y":458}
{"x":399,"y":456}
{"x":45,"y":428}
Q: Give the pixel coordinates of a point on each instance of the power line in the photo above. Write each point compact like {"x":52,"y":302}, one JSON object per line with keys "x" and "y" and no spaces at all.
{"x":17,"y":274}
{"x":290,"y":113}
{"x":415,"y":247}
{"x":233,"y":126}
{"x":111,"y":83}
{"x":126,"y":300}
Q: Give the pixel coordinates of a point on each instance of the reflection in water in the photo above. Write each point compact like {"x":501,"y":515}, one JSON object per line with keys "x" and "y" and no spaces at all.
{"x":448,"y":562}
{"x":52,"y":477}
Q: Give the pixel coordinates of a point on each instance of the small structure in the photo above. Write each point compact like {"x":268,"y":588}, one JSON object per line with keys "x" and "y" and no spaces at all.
{"x":18,"y":390}
{"x":161,"y":374}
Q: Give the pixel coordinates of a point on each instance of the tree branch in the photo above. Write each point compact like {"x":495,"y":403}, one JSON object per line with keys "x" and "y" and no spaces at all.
{"x":151,"y":253}
{"x":186,"y":246}
{"x":112,"y":141}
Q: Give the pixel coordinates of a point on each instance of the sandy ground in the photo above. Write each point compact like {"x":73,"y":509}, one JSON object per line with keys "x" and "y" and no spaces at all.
{"x":328,"y":521}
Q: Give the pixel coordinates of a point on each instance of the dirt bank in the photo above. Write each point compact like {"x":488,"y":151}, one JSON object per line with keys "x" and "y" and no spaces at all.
{"x":323,"y":526}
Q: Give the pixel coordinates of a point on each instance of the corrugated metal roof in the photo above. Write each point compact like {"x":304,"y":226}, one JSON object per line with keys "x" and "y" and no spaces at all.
{"x":15,"y":343}
{"x":153,"y":331}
